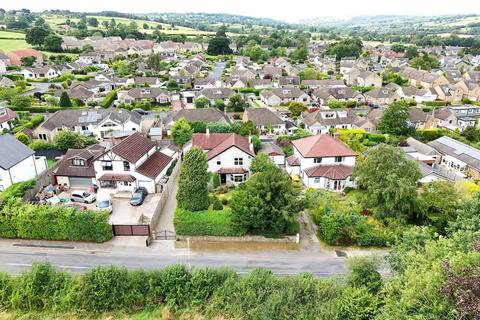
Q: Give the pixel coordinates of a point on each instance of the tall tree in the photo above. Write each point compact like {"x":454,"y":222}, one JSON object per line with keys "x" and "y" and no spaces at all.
{"x":36,"y":36}
{"x":65,"y":101}
{"x":390,"y":182}
{"x":395,"y":120}
{"x":53,"y":43}
{"x":220,"y":44}
{"x":181,"y":132}
{"x":266,"y":204}
{"x":192,"y":192}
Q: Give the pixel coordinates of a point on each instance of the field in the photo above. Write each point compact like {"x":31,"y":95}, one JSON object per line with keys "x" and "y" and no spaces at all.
{"x":12,"y":41}
{"x":11,"y":35}
{"x":7,"y":45}
{"x":58,"y":23}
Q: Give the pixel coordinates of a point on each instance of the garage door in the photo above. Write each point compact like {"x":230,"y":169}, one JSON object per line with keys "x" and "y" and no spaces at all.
{"x":149,"y":185}
{"x":83,"y":183}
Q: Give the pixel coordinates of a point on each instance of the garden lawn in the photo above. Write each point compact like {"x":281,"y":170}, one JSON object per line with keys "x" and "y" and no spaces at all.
{"x":204,"y":223}
{"x":7,"y":45}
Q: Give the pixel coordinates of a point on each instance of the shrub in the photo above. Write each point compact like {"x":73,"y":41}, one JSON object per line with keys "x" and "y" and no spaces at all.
{"x":38,"y":144}
{"x":204,"y":223}
{"x":39,"y":288}
{"x":351,"y":228}
{"x":103,"y":289}
{"x":216,"y":180}
{"x":30,"y":221}
{"x":17,"y":190}
{"x":216,"y":204}
{"x":172,"y":166}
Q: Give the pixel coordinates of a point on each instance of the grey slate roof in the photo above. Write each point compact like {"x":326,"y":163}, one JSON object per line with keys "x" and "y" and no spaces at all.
{"x":448,"y":146}
{"x":12,"y":151}
{"x":71,"y":118}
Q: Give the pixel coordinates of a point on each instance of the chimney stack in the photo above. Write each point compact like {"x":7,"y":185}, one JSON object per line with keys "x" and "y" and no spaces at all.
{"x":208,"y":131}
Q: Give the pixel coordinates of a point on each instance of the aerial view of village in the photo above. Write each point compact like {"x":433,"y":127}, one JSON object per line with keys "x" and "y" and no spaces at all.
{"x":253,"y":160}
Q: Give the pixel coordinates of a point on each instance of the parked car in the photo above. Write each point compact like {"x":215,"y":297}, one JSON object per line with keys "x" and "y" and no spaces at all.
{"x":140,"y":111}
{"x":82,"y":196}
{"x":138,"y":196}
{"x":105,"y":205}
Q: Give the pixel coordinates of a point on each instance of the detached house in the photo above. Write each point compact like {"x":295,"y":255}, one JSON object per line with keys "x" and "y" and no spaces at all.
{"x":75,"y":169}
{"x":18,"y":162}
{"x":323,"y":95}
{"x":457,"y":156}
{"x":381,"y":96}
{"x":6,"y":117}
{"x":322,"y":121}
{"x":264,"y":120}
{"x":40,"y":72}
{"x":284,"y":95}
{"x":155,"y":95}
{"x":322,"y":162}
{"x":213,"y":94}
{"x":134,"y":162}
{"x":229,"y":154}
{"x":96,"y":122}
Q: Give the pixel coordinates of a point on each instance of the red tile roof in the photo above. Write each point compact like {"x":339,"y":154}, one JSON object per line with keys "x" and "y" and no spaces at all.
{"x":117,"y":177}
{"x":332,"y":172}
{"x":154,"y":165}
{"x":216,"y":143}
{"x":322,"y":146}
{"x":235,"y":170}
{"x":6,"y":115}
{"x":134,"y":147}
{"x":293,"y":161}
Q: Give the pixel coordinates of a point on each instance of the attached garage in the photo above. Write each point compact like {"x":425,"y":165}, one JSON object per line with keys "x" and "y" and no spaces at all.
{"x":79,"y":182}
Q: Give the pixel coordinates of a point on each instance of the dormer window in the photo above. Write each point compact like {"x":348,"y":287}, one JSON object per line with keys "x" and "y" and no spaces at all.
{"x":78,"y":162}
{"x":385,"y":91}
{"x":341,"y":91}
{"x":286,"y":91}
{"x":329,"y":115}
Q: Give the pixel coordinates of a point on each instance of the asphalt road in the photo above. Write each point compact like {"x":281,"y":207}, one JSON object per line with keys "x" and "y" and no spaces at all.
{"x":217,"y":71}
{"x":14,"y":258}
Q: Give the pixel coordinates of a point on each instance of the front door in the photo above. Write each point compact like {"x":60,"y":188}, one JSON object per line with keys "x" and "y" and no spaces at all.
{"x":223,"y":178}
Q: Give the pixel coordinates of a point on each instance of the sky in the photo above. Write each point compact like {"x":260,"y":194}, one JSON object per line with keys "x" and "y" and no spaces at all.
{"x":291,"y":11}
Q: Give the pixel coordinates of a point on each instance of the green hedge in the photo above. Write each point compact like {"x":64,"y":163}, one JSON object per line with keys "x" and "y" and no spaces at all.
{"x":214,"y":293}
{"x":436,"y":103}
{"x":31,"y":221}
{"x":109,"y":98}
{"x":17,"y":190}
{"x":352,"y":229}
{"x":40,"y":109}
{"x":204,"y":223}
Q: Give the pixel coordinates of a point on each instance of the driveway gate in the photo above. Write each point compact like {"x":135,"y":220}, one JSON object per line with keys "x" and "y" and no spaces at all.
{"x":131,"y":229}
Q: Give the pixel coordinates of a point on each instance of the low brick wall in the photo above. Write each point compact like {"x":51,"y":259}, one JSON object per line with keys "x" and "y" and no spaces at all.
{"x":287,"y":239}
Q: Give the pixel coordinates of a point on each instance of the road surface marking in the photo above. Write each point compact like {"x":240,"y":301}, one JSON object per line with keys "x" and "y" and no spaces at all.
{"x":58,"y":266}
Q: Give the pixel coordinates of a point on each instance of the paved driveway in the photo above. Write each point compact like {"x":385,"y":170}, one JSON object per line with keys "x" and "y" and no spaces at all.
{"x":165,"y":223}
{"x":124,"y":213}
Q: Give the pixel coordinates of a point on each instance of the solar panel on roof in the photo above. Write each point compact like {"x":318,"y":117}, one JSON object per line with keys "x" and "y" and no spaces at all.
{"x":90,"y":117}
{"x":460,"y":148}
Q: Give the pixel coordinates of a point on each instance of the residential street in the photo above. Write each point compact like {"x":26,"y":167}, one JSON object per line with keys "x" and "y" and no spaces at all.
{"x":16,"y":256}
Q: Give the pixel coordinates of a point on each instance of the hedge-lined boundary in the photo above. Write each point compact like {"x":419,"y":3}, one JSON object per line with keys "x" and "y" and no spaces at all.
{"x":205,"y":223}
{"x":20,"y":220}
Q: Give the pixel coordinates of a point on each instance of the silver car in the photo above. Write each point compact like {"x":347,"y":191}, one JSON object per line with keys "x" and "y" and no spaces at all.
{"x":105,"y":205}
{"x":82,"y":196}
